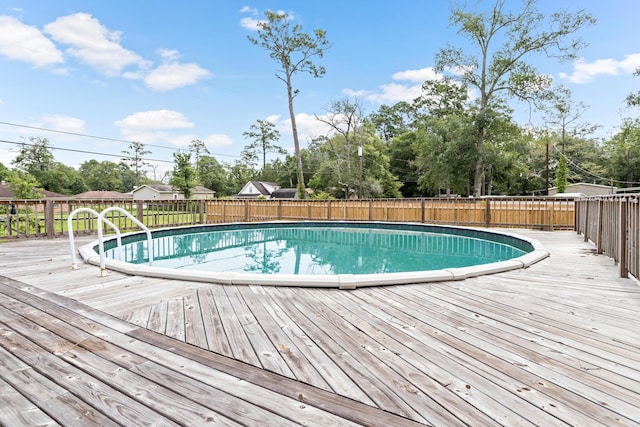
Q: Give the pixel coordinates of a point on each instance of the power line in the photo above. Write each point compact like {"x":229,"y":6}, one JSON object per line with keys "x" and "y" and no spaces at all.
{"x":83,"y":151}
{"x":104,"y":138}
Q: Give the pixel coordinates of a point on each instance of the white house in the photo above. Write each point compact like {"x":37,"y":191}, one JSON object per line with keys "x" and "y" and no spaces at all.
{"x":255,"y":189}
{"x":586,"y":189}
{"x":167,"y":192}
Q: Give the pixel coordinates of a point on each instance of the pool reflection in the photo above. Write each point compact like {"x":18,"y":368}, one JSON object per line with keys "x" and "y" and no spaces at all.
{"x":315,"y":250}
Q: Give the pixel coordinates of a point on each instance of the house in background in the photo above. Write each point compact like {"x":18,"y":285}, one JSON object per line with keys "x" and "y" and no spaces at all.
{"x":103,"y":195}
{"x":6,"y":193}
{"x":586,"y":189}
{"x":167,"y":192}
{"x":257,"y":189}
{"x":285,"y":193}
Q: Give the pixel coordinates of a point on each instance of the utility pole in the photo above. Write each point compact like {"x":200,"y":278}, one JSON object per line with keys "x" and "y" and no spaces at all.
{"x":360,"y":155}
{"x":546,"y":186}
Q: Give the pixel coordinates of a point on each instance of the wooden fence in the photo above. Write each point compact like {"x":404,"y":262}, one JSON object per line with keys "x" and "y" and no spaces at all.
{"x":612,"y":223}
{"x":519,"y":212}
{"x":48,"y":218}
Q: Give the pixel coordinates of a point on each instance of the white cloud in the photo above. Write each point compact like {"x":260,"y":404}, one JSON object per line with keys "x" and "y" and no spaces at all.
{"x":93,"y":44}
{"x":585,"y":72}
{"x":217,"y":140}
{"x":63,"y":123}
{"x":154,"y":120}
{"x":250,"y":23}
{"x":7,"y":156}
{"x":26,"y":43}
{"x":161,"y":127}
{"x":273,"y":118}
{"x":175,"y":75}
{"x":394,"y":92}
{"x":308,"y":127}
{"x":417,"y":76}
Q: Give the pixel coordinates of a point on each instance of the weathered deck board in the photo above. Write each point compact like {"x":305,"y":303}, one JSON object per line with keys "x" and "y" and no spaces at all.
{"x":555,"y":344}
{"x":106,"y":369}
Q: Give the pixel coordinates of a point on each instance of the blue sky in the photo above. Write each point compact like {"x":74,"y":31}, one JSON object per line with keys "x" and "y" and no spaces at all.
{"x":164,"y":73}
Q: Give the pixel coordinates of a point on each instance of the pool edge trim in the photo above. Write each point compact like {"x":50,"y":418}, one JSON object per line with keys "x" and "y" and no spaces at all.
{"x":341,"y":281}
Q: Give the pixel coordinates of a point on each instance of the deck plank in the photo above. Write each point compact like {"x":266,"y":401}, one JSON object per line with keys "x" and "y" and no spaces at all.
{"x":188,"y":366}
{"x":554,"y":344}
{"x":214,"y":331}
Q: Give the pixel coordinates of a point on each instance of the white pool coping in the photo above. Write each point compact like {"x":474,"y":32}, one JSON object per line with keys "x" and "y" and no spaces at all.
{"x":341,"y":281}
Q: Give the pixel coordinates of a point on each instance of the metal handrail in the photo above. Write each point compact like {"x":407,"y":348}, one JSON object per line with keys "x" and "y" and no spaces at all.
{"x":101,"y":218}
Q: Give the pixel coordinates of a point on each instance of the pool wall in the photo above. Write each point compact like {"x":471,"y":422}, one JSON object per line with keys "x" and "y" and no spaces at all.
{"x":536,"y":252}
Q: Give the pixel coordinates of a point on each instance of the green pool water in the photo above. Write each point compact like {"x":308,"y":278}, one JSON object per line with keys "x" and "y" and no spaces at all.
{"x":318,"y":249}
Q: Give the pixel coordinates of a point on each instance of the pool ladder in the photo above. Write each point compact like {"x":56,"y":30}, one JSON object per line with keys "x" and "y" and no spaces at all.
{"x":101,"y":218}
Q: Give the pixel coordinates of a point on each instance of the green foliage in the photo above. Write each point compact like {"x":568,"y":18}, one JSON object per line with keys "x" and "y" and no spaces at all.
{"x":494,"y":62}
{"x":103,"y":176}
{"x":23,"y":185}
{"x":183,"y":178}
{"x":561,"y":175}
{"x":623,"y":154}
{"x":212,"y":175}
{"x":633,"y":99}
{"x":263,"y":135}
{"x":135,"y":161}
{"x":4,"y":172}
{"x":34,"y":156}
{"x":393,"y":121}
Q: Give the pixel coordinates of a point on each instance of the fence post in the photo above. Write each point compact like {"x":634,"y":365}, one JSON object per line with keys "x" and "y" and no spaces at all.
{"x":246,"y":211}
{"x":329,"y":210}
{"x":599,"y":245}
{"x":586,"y":223}
{"x":422,"y":213}
{"x":203,"y":213}
{"x":49,"y":220}
{"x":487,"y":213}
{"x":371,"y":210}
{"x":623,"y":238}
{"x":140,"y":211}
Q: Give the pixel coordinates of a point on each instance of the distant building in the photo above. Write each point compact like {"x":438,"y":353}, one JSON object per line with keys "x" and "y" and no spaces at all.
{"x":257,"y":189}
{"x":7,"y":194}
{"x":167,"y":192}
{"x":103,"y":195}
{"x":586,"y":189}
{"x":285,"y":193}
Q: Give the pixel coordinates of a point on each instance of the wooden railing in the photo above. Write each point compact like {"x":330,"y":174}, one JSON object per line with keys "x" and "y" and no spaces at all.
{"x":48,"y":218}
{"x":518,"y":212}
{"x":612,"y":223}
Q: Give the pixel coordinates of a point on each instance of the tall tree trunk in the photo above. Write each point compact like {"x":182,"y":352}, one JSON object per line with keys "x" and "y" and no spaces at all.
{"x":302,"y":194}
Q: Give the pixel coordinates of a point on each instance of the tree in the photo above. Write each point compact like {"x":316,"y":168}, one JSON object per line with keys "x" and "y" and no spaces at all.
{"x":102,"y":176}
{"x":263,"y":135}
{"x":197,"y":149}
{"x":498,"y":65}
{"x":563,"y":114}
{"x":393,"y":121}
{"x":212,"y":175}
{"x":183,"y":178}
{"x":61,"y":178}
{"x":23,"y":185}
{"x":633,"y":99}
{"x":623,"y":154}
{"x":4,"y":172}
{"x":135,"y":160}
{"x":293,"y":50}
{"x":34,"y":156}
{"x":562,"y":174}
{"x":345,"y":118}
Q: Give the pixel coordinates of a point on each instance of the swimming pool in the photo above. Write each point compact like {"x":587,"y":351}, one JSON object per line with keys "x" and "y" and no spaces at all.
{"x":327,"y":254}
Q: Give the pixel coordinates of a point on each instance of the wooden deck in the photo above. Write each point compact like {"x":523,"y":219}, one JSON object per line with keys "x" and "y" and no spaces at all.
{"x":555,"y":344}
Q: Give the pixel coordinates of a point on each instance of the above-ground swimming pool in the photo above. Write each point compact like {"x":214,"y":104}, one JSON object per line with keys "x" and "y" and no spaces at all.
{"x":327,"y":254}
